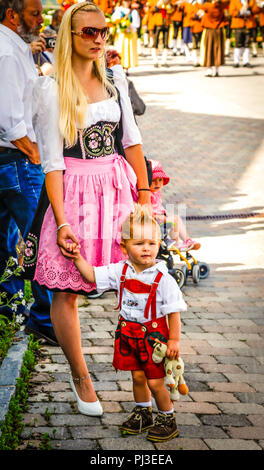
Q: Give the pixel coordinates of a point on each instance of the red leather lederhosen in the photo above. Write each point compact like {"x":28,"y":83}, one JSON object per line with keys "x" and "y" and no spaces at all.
{"x":133,"y":351}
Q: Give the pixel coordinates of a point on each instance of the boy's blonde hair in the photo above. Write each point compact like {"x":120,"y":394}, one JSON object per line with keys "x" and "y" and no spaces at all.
{"x":141,"y":217}
{"x":72,"y":98}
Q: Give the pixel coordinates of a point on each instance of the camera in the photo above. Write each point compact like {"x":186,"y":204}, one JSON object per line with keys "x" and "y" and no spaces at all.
{"x":50,"y":42}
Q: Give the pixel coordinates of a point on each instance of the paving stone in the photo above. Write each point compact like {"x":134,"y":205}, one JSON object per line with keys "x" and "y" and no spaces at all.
{"x":74,"y":420}
{"x":213,"y":397}
{"x":199,"y":359}
{"x":250,"y":397}
{"x":52,"y":407}
{"x":94,"y":432}
{"x":247,"y":432}
{"x":126,"y":443}
{"x":222,"y":368}
{"x":74,"y":444}
{"x":241,"y":408}
{"x":182,"y":443}
{"x":232,"y":444}
{"x":256,"y":420}
{"x":54,"y":433}
{"x":200,"y":377}
{"x":34,"y":419}
{"x":224,"y":420}
{"x":202,"y":432}
{"x":115,"y":396}
{"x":197,"y":408}
{"x":111,"y":406}
{"x":230,"y":387}
{"x":248,"y":378}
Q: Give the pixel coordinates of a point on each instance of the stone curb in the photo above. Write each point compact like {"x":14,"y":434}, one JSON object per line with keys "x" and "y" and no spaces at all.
{"x":10,"y":372}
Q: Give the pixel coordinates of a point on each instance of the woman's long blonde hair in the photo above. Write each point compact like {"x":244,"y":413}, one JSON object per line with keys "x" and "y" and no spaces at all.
{"x":72,"y":98}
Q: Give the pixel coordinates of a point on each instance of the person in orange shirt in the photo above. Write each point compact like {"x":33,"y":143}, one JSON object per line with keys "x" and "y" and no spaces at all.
{"x":213,"y":22}
{"x":176,"y":19}
{"x":261,"y":20}
{"x":243,"y":20}
{"x":162,"y":22}
{"x":196,"y":29}
{"x":145,"y":17}
{"x":187,"y":9}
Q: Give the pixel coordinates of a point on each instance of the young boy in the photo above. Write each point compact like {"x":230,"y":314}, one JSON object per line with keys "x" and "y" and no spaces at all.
{"x":147,"y":295}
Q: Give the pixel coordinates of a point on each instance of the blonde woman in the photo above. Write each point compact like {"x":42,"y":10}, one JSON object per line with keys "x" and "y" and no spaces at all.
{"x":91,"y":188}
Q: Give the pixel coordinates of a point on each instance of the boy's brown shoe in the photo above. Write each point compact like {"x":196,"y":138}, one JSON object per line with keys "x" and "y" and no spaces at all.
{"x":164,"y":428}
{"x":138,"y":421}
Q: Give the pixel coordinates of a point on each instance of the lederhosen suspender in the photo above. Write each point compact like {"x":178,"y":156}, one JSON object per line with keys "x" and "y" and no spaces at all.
{"x":136,"y":286}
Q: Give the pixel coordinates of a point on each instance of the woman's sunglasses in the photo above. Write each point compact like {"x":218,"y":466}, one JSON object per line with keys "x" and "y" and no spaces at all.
{"x":89,"y":32}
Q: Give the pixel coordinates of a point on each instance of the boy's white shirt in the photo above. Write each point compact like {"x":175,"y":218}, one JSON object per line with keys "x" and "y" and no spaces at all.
{"x":169,"y":298}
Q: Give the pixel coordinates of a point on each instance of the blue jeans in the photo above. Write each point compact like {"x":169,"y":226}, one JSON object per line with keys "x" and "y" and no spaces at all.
{"x":20,"y":186}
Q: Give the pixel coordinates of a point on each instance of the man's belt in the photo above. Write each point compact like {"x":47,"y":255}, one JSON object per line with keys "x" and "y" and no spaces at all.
{"x":8,"y":149}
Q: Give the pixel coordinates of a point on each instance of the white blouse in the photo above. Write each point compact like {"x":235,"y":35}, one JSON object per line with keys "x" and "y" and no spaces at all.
{"x":46,"y":118}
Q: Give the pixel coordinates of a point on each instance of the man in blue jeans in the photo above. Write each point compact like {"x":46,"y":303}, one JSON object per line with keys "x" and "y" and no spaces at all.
{"x":21,"y":176}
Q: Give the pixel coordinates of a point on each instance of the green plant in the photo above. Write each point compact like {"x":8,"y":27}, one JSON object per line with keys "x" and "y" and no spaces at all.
{"x":45,"y":442}
{"x":11,"y":269}
{"x":8,"y":327}
{"x":13,"y":426}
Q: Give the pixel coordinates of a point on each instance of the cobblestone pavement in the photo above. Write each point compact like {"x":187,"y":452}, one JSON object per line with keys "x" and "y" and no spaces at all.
{"x":208,"y":133}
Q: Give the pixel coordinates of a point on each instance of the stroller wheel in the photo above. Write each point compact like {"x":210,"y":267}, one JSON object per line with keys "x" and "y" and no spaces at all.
{"x":179,"y":277}
{"x":204,"y":270}
{"x":184,"y":269}
{"x":196,"y":273}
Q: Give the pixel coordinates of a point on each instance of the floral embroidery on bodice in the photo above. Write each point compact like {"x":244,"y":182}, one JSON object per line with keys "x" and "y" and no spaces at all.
{"x":96,"y":141}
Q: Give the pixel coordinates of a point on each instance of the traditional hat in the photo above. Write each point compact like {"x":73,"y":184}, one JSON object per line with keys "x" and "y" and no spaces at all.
{"x":158,"y":172}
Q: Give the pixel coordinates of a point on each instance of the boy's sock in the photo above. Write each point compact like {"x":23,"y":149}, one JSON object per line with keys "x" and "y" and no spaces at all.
{"x":167,"y":412}
{"x":144,"y":404}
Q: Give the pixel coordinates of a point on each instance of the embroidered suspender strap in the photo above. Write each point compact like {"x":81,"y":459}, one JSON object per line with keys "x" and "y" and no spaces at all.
{"x":152,"y":298}
{"x":122,"y":284}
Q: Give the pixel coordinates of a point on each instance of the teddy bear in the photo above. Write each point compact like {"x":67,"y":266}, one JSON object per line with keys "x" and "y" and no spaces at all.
{"x":174,"y":371}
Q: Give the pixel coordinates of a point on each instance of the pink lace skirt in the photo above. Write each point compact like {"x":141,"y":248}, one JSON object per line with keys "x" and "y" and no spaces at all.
{"x":98,"y":196}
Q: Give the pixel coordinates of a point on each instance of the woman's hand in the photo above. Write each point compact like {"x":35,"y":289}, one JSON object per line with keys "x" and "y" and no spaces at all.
{"x":144,"y":198}
{"x":65,"y":235}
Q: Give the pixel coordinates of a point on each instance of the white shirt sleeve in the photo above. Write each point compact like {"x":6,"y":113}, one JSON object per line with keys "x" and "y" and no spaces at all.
{"x":12,"y":125}
{"x":131,"y":134}
{"x":107,"y":277}
{"x":172,"y":296}
{"x":46,"y":125}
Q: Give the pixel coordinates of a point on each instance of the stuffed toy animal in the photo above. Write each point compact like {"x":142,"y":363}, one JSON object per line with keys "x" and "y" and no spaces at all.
{"x":174,"y":371}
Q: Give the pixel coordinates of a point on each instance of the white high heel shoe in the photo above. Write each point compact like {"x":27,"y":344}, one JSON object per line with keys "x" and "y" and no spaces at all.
{"x":90,"y":408}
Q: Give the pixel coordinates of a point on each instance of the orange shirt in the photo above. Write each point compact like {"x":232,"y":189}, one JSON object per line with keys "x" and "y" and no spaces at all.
{"x":196,"y":21}
{"x":187,"y":10}
{"x":176,"y":15}
{"x":248,"y":22}
{"x":214,"y":17}
{"x":261,"y":18}
{"x":161,"y":13}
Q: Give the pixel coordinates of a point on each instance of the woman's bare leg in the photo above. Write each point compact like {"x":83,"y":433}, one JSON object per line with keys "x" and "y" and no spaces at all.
{"x":65,"y":320}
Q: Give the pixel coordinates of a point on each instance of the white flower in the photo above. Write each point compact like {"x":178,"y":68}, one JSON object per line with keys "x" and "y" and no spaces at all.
{"x":14,"y":307}
{"x":14,"y":260}
{"x":23,"y":302}
{"x":19,"y":319}
{"x":20,"y":294}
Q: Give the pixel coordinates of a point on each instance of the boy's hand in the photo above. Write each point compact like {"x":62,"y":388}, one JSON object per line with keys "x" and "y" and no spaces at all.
{"x":173,"y":349}
{"x":74,"y":249}
{"x":63,"y":236}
